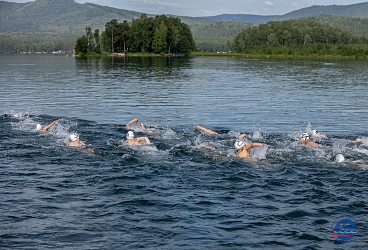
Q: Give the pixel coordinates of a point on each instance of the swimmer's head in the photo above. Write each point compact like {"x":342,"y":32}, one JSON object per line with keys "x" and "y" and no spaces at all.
{"x":239,"y":144}
{"x":314,"y":132}
{"x":339,"y":158}
{"x":130,"y":135}
{"x":304,"y":136}
{"x":73,"y":137}
{"x":38,"y":127}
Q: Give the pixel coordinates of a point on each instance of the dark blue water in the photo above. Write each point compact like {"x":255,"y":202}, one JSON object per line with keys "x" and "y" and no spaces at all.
{"x":175,"y":194}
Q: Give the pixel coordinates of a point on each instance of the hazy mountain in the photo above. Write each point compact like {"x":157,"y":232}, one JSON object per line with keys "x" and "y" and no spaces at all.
{"x":354,"y":10}
{"x":241,"y":18}
{"x":62,"y":16}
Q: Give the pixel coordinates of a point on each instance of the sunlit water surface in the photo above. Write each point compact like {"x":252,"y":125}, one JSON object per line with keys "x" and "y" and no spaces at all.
{"x":174,"y":193}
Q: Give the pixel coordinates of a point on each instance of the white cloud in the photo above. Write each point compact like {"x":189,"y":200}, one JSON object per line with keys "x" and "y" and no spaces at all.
{"x":268,"y":3}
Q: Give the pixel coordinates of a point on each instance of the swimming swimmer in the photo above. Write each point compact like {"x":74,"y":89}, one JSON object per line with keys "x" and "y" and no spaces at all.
{"x":45,"y":128}
{"x":135,"y":141}
{"x":135,"y":120}
{"x":74,"y":141}
{"x":360,"y":140}
{"x":242,"y":149}
{"x":206,"y":130}
{"x":304,"y":139}
{"x":339,"y":158}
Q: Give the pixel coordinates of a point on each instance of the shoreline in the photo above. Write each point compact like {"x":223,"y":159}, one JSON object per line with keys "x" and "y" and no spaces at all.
{"x":210,"y":54}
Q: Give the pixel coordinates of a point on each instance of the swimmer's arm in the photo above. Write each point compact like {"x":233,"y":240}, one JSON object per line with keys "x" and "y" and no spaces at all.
{"x":310,"y":143}
{"x":132,"y":121}
{"x":319,"y":137}
{"x":135,"y":120}
{"x":255,"y":144}
{"x":145,"y":139}
{"x":206,"y":130}
{"x":50,"y":125}
{"x":357,"y":140}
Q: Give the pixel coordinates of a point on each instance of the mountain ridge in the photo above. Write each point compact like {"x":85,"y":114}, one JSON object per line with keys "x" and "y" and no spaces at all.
{"x":353,"y":10}
{"x":63,"y":21}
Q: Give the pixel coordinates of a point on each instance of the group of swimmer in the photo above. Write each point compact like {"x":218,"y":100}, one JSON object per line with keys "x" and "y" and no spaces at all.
{"x":74,"y":140}
{"x":242,"y":146}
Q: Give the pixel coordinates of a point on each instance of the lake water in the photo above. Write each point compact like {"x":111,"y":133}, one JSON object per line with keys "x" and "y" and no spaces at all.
{"x":175,"y":193}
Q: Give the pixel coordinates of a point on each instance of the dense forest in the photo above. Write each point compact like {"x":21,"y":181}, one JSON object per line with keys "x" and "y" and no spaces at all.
{"x":216,"y":36}
{"x":299,"y":37}
{"x":354,"y":25}
{"x":160,"y":34}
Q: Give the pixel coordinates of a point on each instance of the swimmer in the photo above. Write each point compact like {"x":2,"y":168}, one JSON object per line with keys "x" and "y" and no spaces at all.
{"x":304,"y":139}
{"x":135,"y":141}
{"x":315,"y":134}
{"x":340,"y":158}
{"x":206,"y":130}
{"x":242,"y":149}
{"x":135,"y":120}
{"x":74,"y":141}
{"x":45,"y":128}
{"x":357,"y":140}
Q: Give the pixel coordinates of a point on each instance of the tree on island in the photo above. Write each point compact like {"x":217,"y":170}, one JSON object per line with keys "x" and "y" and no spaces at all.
{"x":160,"y":35}
{"x":88,"y":43}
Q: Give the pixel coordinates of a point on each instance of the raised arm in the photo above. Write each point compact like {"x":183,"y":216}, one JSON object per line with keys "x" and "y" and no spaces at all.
{"x":50,"y":125}
{"x":135,"y":120}
{"x":206,"y":130}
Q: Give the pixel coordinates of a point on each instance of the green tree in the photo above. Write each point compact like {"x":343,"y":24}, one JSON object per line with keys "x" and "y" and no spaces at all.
{"x":123,"y":31}
{"x":110,"y":32}
{"x":96,"y":36}
{"x":90,"y":39}
{"x":81,"y":48}
{"x":159,"y":43}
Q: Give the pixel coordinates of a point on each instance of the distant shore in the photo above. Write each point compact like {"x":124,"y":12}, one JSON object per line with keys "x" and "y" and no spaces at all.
{"x":214,"y":54}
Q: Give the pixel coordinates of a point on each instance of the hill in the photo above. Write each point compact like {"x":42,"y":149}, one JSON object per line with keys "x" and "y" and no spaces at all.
{"x":241,"y":18}
{"x":354,"y":10}
{"x":356,"y":26}
{"x":359,"y":10}
{"x":57,"y":16}
{"x":56,"y":24}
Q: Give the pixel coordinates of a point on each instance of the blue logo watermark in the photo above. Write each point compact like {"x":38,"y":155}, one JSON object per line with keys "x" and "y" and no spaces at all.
{"x":345,"y":229}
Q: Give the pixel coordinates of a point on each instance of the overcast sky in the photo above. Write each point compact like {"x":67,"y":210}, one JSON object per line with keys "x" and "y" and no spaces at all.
{"x":197,"y":8}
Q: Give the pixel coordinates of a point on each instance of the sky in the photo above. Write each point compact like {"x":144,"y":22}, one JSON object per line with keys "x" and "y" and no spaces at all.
{"x":199,"y":8}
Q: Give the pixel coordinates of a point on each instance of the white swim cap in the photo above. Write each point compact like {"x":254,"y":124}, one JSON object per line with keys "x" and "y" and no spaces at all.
{"x":73,"y":137}
{"x":38,"y":127}
{"x":130,"y":135}
{"x":304,"y":136}
{"x":239,"y":144}
{"x":314,"y":132}
{"x":339,"y":158}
